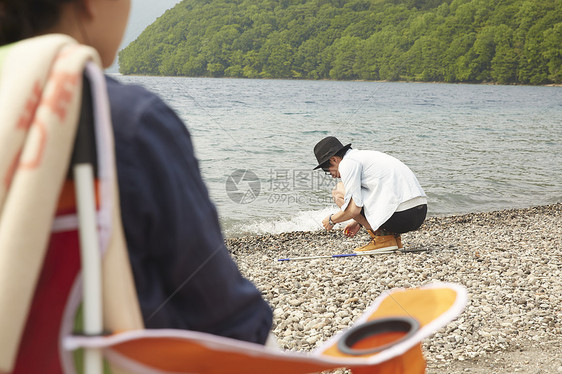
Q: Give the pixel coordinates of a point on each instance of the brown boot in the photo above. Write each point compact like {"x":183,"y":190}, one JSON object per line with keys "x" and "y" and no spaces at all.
{"x":379,"y":244}
{"x":398,"y":241}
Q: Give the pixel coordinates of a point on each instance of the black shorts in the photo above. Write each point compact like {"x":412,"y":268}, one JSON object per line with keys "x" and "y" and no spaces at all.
{"x":405,"y":221}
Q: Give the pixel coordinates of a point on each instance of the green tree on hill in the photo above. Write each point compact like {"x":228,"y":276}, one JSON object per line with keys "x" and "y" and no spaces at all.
{"x":503,"y":41}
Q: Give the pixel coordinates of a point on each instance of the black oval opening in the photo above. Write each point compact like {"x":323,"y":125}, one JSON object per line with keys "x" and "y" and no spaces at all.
{"x":370,"y":329}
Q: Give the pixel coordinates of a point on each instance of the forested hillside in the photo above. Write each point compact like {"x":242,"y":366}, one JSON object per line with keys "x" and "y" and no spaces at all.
{"x":504,"y":41}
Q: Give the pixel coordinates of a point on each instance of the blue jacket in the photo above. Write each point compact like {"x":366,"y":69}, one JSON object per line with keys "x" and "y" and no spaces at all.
{"x":184,"y":274}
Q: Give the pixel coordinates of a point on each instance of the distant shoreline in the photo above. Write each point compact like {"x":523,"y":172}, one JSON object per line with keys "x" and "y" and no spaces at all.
{"x":356,"y":80}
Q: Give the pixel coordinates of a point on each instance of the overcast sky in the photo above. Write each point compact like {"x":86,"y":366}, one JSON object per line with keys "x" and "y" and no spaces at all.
{"x":143,"y":13}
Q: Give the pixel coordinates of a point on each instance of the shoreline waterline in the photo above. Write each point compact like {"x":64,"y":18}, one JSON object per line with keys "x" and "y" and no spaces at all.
{"x":289,"y":225}
{"x":336,"y":80}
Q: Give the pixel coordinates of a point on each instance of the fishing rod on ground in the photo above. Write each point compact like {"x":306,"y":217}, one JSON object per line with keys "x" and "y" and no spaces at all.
{"x":380,"y":252}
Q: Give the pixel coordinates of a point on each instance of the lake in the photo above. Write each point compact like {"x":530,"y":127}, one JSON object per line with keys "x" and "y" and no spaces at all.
{"x":473,"y":147}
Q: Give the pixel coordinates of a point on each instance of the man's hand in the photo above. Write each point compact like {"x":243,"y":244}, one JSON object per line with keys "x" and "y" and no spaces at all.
{"x":326,"y":223}
{"x":351,"y":229}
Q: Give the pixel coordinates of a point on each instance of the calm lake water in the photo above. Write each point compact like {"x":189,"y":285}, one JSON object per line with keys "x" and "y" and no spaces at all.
{"x":473,"y":147}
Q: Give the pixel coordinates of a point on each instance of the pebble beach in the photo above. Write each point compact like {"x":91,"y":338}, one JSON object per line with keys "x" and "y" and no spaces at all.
{"x":510,"y":261}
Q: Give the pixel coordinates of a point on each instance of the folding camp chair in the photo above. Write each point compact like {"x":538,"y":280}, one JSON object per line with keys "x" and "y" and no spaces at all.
{"x":54,"y":334}
{"x":40,"y":278}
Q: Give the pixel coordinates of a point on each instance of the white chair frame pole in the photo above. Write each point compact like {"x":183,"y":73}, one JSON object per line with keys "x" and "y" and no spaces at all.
{"x":91,"y":263}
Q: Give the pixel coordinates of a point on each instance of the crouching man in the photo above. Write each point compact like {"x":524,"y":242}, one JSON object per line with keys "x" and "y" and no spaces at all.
{"x":377,"y":192}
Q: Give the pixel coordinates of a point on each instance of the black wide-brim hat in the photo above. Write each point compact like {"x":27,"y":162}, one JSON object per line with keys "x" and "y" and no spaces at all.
{"x":327,"y":148}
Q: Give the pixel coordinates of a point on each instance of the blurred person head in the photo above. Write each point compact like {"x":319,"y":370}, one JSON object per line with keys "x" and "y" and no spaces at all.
{"x":97,"y":23}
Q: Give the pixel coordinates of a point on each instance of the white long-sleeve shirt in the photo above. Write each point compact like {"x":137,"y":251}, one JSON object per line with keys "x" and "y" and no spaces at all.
{"x":379,"y":183}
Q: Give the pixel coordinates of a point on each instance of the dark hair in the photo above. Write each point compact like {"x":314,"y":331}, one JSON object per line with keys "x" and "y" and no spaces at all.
{"x":20,"y":19}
